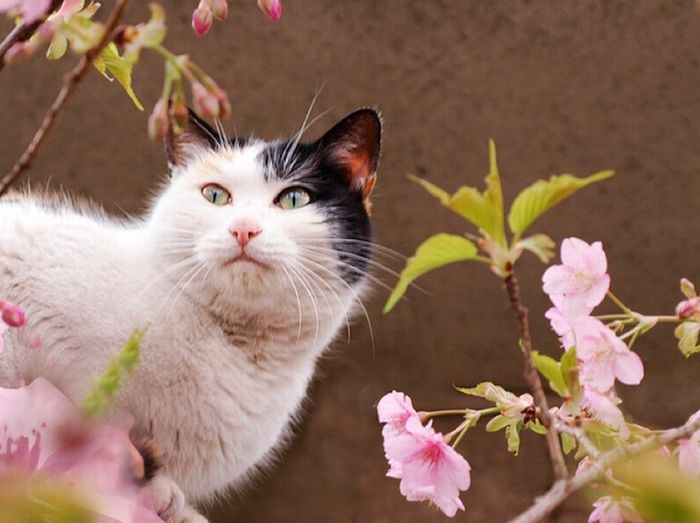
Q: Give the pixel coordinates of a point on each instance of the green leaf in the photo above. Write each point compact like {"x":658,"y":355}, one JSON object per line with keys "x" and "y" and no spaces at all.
{"x":550,"y":369}
{"x":497,"y":423}
{"x":104,"y":387}
{"x":688,"y":334}
{"x":513,"y":438}
{"x":112,"y":66}
{"x":542,"y":195}
{"x":540,"y":245}
{"x":536,"y":427}
{"x":436,"y":251}
{"x":568,"y":443}
{"x":489,"y":391}
{"x":569,"y":372}
{"x":688,"y":289}
{"x":485,"y":210}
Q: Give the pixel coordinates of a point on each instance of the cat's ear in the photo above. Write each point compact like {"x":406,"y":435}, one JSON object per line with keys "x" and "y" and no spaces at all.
{"x":195,"y":136}
{"x":353,"y":147}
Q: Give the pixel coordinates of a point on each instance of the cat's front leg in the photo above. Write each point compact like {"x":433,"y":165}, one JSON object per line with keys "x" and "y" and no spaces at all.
{"x":169,"y":501}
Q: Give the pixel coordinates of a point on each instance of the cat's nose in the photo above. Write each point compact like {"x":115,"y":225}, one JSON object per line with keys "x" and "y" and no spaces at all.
{"x":244,"y":232}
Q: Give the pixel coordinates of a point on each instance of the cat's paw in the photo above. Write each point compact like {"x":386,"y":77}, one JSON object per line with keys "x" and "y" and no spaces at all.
{"x":190,"y":515}
{"x":168,"y":499}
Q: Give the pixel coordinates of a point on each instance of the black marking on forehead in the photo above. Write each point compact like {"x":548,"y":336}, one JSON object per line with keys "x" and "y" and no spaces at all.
{"x":343,"y":206}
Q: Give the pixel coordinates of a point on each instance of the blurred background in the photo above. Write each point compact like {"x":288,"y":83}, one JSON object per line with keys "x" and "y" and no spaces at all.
{"x":567,"y":86}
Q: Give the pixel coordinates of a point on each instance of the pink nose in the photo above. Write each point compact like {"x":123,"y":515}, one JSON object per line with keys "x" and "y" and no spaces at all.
{"x":244,"y":232}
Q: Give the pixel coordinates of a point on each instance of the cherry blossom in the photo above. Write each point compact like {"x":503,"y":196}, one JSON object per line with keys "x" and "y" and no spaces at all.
{"x":610,"y":509}
{"x":30,"y":10}
{"x":581,"y":282}
{"x":430,"y":470}
{"x":603,"y":406}
{"x":604,"y":356}
{"x":10,"y":316}
{"x":44,"y":434}
{"x":689,"y":452}
{"x":394,"y":409}
{"x":689,"y":309}
{"x":272,"y":8}
{"x":202,"y":18}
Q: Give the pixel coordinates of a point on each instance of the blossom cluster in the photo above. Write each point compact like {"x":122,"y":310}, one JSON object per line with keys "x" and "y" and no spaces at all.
{"x":209,"y":10}
{"x":428,"y":467}
{"x":575,"y":288}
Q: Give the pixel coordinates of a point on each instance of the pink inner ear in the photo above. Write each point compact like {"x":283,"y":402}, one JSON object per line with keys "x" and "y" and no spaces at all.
{"x":358,"y":168}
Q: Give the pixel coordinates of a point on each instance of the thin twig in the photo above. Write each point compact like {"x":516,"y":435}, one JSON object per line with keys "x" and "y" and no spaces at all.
{"x":70,"y":82}
{"x":23,"y":32}
{"x":532,"y":377}
{"x":562,"y":489}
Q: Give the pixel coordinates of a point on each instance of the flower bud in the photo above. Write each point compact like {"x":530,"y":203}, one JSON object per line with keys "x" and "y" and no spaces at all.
{"x":179,"y":112}
{"x":158,"y":121}
{"x":12,"y":315}
{"x":687,"y":288}
{"x":272,"y":8}
{"x":205,"y":102}
{"x":202,"y":18}
{"x":220,"y":9}
{"x":222,"y":98}
{"x":689,"y":309}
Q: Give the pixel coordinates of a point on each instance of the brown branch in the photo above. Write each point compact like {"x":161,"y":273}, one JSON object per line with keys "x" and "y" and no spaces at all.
{"x":70,"y":82}
{"x":532,"y":377}
{"x":23,"y":32}
{"x":562,"y":489}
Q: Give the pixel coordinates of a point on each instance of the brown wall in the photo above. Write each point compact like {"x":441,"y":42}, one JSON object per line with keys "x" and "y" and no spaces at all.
{"x":567,"y":86}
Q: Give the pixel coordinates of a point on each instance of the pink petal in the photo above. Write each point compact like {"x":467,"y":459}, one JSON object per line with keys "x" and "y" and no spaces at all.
{"x":689,"y":458}
{"x":629,"y":368}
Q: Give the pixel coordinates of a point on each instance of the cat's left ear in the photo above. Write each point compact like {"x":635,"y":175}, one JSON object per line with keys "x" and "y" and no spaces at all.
{"x":353,"y":147}
{"x":195,"y":136}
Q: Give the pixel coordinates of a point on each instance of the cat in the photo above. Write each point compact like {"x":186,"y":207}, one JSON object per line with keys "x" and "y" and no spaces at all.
{"x":247,"y":265}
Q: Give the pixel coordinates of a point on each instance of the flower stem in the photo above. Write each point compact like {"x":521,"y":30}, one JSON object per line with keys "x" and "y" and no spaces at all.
{"x":618,"y":302}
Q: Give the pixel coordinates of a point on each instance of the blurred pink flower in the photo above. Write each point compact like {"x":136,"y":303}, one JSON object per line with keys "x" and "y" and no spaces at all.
{"x":11,"y":314}
{"x":202,"y":18}
{"x":44,"y":434}
{"x":614,"y":510}
{"x":603,"y":407}
{"x":603,"y":356}
{"x":30,"y":10}
{"x":689,"y":452}
{"x":272,"y":8}
{"x":429,"y":469}
{"x":689,"y":309}
{"x":581,"y":282}
{"x":206,"y":104}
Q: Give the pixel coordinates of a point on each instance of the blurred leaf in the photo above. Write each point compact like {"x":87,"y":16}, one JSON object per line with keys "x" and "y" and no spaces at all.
{"x":497,"y":423}
{"x":112,"y":66}
{"x":536,"y":427}
{"x":568,"y":443}
{"x":104,"y":387}
{"x":569,"y":371}
{"x":542,"y":195}
{"x":436,"y":251}
{"x":485,"y":210}
{"x":688,"y":289}
{"x":550,"y":369}
{"x":688,"y":334}
{"x":513,"y":438}
{"x":489,"y":391}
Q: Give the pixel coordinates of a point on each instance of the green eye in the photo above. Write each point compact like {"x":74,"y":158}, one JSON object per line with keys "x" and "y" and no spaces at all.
{"x":294,"y":198}
{"x":216,"y":194}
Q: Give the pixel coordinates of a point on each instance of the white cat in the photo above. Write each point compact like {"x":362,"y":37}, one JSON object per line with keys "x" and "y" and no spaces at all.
{"x":244,"y":269}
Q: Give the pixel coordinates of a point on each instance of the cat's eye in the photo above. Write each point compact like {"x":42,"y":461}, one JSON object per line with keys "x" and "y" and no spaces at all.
{"x":216,"y":194}
{"x":293,"y":198}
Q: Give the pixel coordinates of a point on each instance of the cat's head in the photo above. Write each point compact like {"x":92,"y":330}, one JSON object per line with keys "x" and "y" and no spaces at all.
{"x":264,"y":215}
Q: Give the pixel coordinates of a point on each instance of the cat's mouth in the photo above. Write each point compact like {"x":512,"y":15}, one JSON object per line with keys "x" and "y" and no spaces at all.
{"x":245,"y":258}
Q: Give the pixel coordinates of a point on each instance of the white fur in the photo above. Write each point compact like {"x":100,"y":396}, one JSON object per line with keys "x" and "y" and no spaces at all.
{"x":229,"y":350}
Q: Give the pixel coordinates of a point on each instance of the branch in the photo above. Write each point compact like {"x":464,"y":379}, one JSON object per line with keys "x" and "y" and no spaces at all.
{"x":23,"y":32}
{"x":563,"y":488}
{"x":532,"y":377}
{"x":70,"y":82}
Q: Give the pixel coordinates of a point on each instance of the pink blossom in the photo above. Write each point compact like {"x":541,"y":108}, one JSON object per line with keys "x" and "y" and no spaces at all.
{"x":603,"y":407}
{"x":429,"y":469}
{"x":272,"y":8}
{"x":604,"y":356}
{"x":43,"y":433}
{"x":689,"y":452}
{"x":689,"y":309}
{"x":205,"y":103}
{"x":30,"y":10}
{"x":614,"y":510}
{"x":202,"y":18}
{"x":11,"y":314}
{"x":582,"y":280}
{"x":394,"y":409}
{"x":562,"y":321}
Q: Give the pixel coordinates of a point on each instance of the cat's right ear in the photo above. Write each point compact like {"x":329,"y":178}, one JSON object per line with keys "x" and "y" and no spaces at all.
{"x":195,"y":136}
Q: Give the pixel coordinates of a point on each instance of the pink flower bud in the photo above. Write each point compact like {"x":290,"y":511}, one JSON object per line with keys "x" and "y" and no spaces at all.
{"x":158,"y":121}
{"x":222,"y":98}
{"x":689,"y":309}
{"x":12,"y":315}
{"x":272,"y":8}
{"x":202,"y":18}
{"x":205,"y":102}
{"x":219,"y":9}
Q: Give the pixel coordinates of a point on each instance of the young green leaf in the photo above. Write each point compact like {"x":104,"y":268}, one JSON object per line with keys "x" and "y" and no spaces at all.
{"x":436,"y":251}
{"x":688,"y":334}
{"x":568,"y":443}
{"x":542,"y":195}
{"x":569,"y":372}
{"x":485,"y":210}
{"x":550,"y":369}
{"x":513,"y":438}
{"x":536,"y":427}
{"x":108,"y":383}
{"x":489,"y":391}
{"x":497,"y":423}
{"x":540,"y":245}
{"x":112,"y":66}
